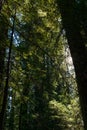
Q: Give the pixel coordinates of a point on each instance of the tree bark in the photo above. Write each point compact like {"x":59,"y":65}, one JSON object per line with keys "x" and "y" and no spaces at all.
{"x":77,"y":47}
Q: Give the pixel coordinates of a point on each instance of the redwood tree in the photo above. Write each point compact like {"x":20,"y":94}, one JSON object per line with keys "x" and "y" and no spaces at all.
{"x":72,"y":26}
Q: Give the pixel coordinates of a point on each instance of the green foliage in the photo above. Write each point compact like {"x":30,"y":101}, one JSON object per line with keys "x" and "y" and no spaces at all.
{"x":70,"y":115}
{"x":41,"y":96}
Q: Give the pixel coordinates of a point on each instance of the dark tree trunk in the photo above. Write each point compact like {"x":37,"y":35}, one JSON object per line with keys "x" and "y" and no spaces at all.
{"x":23,"y":114}
{"x":5,"y":95}
{"x":23,"y":117}
{"x":20,"y":117}
{"x":3,"y":39}
{"x":2,"y":56}
{"x":11,"y":113}
{"x":39,"y":107}
{"x":77,"y":47}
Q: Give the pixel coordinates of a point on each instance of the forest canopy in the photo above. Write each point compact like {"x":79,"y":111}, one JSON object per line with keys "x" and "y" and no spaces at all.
{"x":43,"y":65}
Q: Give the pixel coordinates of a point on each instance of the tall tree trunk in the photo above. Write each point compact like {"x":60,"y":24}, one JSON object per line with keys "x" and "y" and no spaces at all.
{"x":23,"y":117}
{"x":2,"y":114}
{"x":9,"y":123}
{"x":2,"y":56}
{"x":20,"y":117}
{"x":77,"y":48}
{"x":23,"y":114}
{"x":3,"y":39}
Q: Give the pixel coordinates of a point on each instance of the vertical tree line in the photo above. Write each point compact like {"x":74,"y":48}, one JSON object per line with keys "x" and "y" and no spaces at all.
{"x":37,"y":86}
{"x":72,"y":22}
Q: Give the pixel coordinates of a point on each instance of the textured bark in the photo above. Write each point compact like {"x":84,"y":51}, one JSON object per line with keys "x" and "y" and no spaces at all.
{"x":77,"y":47}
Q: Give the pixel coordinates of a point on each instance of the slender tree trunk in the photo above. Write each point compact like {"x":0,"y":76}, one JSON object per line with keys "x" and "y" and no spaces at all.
{"x":2,"y":47}
{"x":2,"y":56}
{"x":77,"y":48}
{"x":2,"y":114}
{"x":23,"y":114}
{"x":20,"y":116}
{"x":3,"y":39}
{"x":10,"y":116}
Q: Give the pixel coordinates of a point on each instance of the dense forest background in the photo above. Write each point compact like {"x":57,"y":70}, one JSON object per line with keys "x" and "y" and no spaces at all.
{"x":43,"y":65}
